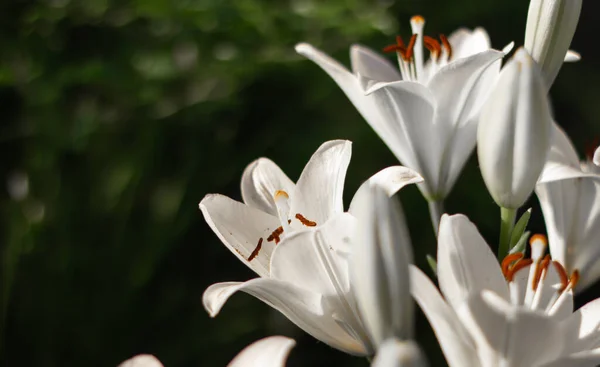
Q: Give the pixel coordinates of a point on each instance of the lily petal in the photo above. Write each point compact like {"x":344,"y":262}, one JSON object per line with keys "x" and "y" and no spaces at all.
{"x":390,"y":179}
{"x":319,"y":190}
{"x":142,"y":360}
{"x":510,"y":335}
{"x":460,"y":89}
{"x":406,"y":126}
{"x":466,"y":42}
{"x":308,"y":310}
{"x":571,"y":211}
{"x":572,"y":56}
{"x":380,"y":261}
{"x":465,"y":261}
{"x":397,"y":353}
{"x":268,"y":352}
{"x":371,"y":65}
{"x":588,"y":358}
{"x":240,"y":227}
{"x":454,"y":339}
{"x":581,"y":328}
{"x":597,"y":157}
{"x":261,"y":179}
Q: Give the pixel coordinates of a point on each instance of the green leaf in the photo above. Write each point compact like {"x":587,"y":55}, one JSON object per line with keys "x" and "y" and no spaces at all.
{"x":519,"y":229}
{"x":432,"y":263}
{"x":520,"y":245}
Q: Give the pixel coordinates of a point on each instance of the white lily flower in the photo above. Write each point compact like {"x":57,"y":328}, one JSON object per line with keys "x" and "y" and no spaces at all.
{"x":517,"y":314}
{"x":292,"y":241}
{"x":142,"y":360}
{"x":268,"y":352}
{"x":272,"y":351}
{"x":569,"y":195}
{"x":550,"y":29}
{"x":380,"y":257}
{"x":514,"y":132}
{"x":397,"y":353}
{"x":426,"y":113}
{"x":596,"y":158}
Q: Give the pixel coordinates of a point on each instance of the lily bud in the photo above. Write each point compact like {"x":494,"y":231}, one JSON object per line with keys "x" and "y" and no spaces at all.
{"x":550,"y":28}
{"x":380,"y":267}
{"x":513,"y":137}
{"x":597,"y":157}
{"x":395,"y":353}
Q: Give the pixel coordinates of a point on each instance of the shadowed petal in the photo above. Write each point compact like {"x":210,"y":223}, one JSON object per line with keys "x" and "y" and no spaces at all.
{"x":268,"y":352}
{"x":390,"y":179}
{"x":261,"y":179}
{"x":510,"y":335}
{"x":308,"y":310}
{"x":454,"y":339}
{"x":240,"y":227}
{"x":397,"y":353}
{"x":372,"y":65}
{"x":465,"y":262}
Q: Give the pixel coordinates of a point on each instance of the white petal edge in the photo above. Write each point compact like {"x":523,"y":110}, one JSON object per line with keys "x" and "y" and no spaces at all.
{"x":454,"y":339}
{"x":319,"y":190}
{"x":597,"y":157}
{"x":588,"y":358}
{"x":397,"y":353}
{"x":371,"y":65}
{"x":239,"y":227}
{"x":260,"y":180}
{"x":142,"y":360}
{"x":572,"y":56}
{"x":268,"y":352}
{"x":465,"y":262}
{"x":390,"y":179}
{"x":304,"y":308}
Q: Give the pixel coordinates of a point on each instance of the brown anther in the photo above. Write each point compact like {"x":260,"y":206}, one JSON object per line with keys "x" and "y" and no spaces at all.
{"x":398,"y":47}
{"x":574,"y":279}
{"x":410,"y":49}
{"x":275,"y":235}
{"x":545,"y":264}
{"x":509,"y":260}
{"x":539,"y":269}
{"x":306,"y":222}
{"x":256,"y":250}
{"x":562,"y":273}
{"x":432,"y":45}
{"x":447,"y":45}
{"x":523,"y":263}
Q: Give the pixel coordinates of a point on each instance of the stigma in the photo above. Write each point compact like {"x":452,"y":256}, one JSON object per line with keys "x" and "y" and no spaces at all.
{"x":411,"y":58}
{"x":538,"y":282}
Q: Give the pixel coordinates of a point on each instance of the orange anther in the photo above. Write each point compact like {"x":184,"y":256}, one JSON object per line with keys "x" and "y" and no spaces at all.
{"x":508,"y":260}
{"x":447,"y":45}
{"x":306,"y":222}
{"x":562,"y":273}
{"x":409,"y":50}
{"x":432,"y":45}
{"x":256,"y":250}
{"x":518,"y":266}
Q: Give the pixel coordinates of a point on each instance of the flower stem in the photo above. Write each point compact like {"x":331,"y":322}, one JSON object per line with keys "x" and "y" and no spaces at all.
{"x":436,"y":209}
{"x":507,"y":222}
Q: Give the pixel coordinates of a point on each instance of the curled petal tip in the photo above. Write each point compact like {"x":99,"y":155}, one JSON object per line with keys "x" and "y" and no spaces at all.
{"x":572,"y":56}
{"x":508,"y":48}
{"x":304,"y":48}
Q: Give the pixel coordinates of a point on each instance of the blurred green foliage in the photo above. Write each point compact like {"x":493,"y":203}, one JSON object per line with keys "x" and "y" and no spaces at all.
{"x":119,"y":116}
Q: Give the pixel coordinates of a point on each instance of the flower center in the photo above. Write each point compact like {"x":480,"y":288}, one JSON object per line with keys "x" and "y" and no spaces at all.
{"x":410,"y":58}
{"x":283,"y":209}
{"x":538,"y":282}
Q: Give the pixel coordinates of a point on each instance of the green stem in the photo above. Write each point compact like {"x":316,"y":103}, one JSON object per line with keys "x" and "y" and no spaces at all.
{"x":507,"y":222}
{"x":436,"y":209}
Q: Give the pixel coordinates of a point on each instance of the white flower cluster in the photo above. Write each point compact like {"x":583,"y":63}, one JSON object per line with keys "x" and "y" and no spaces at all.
{"x":346,"y":277}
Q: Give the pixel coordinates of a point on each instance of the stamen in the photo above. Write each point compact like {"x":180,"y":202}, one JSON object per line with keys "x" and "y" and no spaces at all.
{"x":306,"y":222}
{"x":562,"y":273}
{"x":447,"y":45}
{"x":398,"y":47}
{"x":508,"y":260}
{"x":539,"y":269}
{"x":275,"y":235}
{"x":523,"y":263}
{"x":433,"y":46}
{"x":283,"y":208}
{"x":410,"y":49}
{"x":256,"y":250}
{"x":574,"y":279}
{"x":417,"y":24}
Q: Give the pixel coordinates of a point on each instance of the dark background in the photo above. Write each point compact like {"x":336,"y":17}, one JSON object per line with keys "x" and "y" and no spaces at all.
{"x":119,"y":116}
